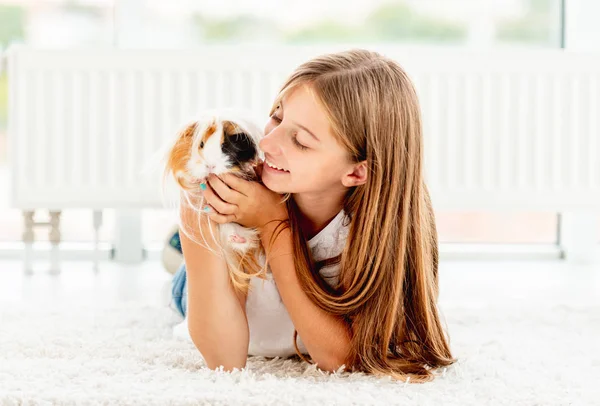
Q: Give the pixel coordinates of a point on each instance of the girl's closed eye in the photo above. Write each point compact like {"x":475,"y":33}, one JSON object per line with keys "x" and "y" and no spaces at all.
{"x":276,"y":119}
{"x":294,"y":138}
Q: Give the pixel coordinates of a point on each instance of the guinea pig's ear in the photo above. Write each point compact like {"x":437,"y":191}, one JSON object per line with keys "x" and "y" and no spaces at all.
{"x":187,"y":135}
{"x":230,"y":128}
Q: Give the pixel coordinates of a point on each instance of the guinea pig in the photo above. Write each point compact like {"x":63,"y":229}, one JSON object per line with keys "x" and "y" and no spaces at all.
{"x":216,"y":145}
{"x":220,"y":142}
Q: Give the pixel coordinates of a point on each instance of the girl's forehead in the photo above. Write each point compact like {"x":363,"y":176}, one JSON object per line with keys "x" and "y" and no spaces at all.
{"x":303,"y":102}
{"x":301,"y":93}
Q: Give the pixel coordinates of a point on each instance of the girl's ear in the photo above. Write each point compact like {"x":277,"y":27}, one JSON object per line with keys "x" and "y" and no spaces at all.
{"x":357,"y":175}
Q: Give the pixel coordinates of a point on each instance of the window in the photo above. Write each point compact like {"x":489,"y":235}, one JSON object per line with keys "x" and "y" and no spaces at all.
{"x":159,"y":24}
{"x":445,"y":22}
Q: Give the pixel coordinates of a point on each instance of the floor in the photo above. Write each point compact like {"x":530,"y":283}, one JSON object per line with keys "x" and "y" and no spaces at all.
{"x":524,"y":333}
{"x":79,"y":283}
{"x":462,"y":283}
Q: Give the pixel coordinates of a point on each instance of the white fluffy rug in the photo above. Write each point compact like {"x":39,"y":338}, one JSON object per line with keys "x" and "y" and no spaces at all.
{"x":126,"y":355}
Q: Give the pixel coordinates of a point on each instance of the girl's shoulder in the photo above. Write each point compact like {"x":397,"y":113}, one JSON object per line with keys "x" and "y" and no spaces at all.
{"x":330,"y":241}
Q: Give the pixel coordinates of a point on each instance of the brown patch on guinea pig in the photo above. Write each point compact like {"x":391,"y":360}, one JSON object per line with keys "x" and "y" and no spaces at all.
{"x":180,"y":155}
{"x":230,"y":128}
{"x":209,"y":131}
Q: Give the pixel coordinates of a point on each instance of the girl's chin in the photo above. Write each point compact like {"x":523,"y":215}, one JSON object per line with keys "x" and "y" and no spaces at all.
{"x":273,"y":185}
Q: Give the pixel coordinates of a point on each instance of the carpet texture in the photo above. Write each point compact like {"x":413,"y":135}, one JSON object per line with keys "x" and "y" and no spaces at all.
{"x":126,"y":355}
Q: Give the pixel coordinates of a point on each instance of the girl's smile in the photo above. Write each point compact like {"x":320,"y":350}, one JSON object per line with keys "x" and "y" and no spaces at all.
{"x":274,"y":169}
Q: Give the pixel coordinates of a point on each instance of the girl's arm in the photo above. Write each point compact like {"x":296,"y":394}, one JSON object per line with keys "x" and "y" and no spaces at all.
{"x":216,"y":317}
{"x":325,"y":336}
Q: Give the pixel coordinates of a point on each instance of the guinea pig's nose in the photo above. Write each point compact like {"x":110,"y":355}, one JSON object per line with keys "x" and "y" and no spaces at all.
{"x":211,"y":167}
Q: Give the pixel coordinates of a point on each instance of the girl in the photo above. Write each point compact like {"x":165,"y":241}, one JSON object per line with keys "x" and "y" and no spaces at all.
{"x":352,"y":248}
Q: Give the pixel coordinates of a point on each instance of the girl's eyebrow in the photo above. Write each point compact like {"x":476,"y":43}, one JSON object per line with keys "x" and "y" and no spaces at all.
{"x":301,"y":126}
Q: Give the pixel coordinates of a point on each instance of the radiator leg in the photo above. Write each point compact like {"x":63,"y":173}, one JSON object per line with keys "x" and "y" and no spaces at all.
{"x":28,"y":238}
{"x":54,"y":238}
{"x":97,"y":225}
{"x":128,"y":236}
{"x":579,"y":236}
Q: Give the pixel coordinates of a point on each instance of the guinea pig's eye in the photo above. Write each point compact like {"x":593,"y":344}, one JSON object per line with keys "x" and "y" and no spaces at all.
{"x":201,"y":144}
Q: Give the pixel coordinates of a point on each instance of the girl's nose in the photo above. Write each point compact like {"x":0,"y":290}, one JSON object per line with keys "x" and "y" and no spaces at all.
{"x":264,"y":145}
{"x":269,"y":143}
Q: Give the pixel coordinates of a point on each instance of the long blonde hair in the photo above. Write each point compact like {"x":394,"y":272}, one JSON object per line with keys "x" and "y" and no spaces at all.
{"x":388,"y":281}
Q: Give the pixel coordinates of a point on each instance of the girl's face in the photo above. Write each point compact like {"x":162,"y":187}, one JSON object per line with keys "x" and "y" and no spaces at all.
{"x":298,"y":139}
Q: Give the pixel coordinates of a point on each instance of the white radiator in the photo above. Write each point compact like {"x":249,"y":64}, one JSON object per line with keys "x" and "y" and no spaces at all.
{"x":503,"y":130}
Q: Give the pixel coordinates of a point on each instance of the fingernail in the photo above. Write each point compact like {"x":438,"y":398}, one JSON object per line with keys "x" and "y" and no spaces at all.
{"x":203,"y":186}
{"x":206,"y":209}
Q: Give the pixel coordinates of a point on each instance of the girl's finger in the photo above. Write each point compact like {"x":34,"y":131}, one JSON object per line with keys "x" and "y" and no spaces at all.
{"x":216,"y":204}
{"x":236,"y":183}
{"x":221,"y":218}
{"x":225,"y":192}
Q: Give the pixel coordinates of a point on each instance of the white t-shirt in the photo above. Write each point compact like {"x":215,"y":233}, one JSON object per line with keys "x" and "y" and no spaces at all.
{"x":270,"y":325}
{"x":271,"y":328}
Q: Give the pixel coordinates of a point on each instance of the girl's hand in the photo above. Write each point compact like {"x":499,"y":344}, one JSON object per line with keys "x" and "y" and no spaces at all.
{"x":250,"y":204}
